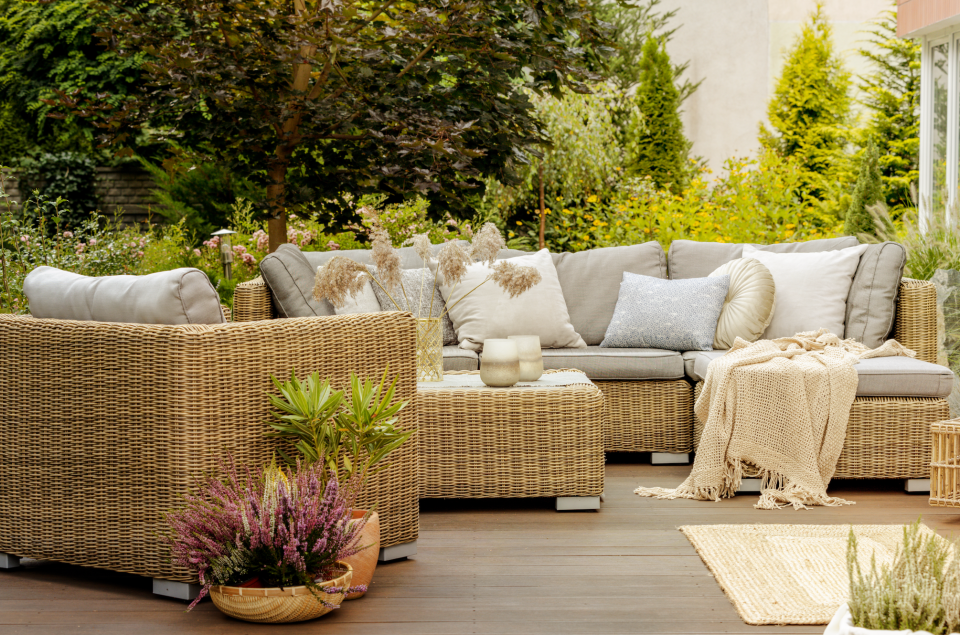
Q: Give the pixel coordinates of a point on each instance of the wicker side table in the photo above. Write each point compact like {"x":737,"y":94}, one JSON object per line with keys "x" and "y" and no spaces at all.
{"x":945,"y":464}
{"x":513,"y":442}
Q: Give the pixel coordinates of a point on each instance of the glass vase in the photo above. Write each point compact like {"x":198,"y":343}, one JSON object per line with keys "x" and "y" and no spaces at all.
{"x":429,"y":349}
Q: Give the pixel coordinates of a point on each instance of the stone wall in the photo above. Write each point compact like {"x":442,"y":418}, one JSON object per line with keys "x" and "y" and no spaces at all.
{"x":124,"y":190}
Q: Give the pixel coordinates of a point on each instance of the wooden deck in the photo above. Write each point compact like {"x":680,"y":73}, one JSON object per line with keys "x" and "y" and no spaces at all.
{"x":491,"y":568}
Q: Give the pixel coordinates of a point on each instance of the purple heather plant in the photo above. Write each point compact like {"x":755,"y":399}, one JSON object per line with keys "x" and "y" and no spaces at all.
{"x":280,"y":525}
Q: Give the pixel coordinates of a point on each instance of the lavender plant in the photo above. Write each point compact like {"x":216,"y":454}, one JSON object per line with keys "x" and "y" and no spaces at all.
{"x":282,"y":526}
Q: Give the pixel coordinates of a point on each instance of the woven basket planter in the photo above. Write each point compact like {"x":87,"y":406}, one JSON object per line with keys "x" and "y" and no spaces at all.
{"x":945,"y":466}
{"x":278,"y":606}
{"x":429,"y":349}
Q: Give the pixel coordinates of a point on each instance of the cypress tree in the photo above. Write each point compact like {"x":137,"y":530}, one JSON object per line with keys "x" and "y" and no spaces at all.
{"x":892,"y":94}
{"x":810,"y":108}
{"x":867,"y":192}
{"x":657,"y":147}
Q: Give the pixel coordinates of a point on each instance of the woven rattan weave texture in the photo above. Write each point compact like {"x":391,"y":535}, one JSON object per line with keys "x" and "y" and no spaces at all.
{"x":916,"y":321}
{"x":104,"y":425}
{"x":252,"y":301}
{"x":647,"y":416}
{"x":945,"y":466}
{"x":887,"y":437}
{"x":511,"y":442}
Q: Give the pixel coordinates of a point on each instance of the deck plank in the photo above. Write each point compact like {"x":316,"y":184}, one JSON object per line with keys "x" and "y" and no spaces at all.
{"x":493,"y":568}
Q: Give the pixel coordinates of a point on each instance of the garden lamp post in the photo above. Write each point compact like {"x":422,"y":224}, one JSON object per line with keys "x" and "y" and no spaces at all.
{"x":226,"y":251}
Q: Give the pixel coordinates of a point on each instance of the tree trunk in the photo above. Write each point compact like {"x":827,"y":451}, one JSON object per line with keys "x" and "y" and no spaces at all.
{"x":277,"y":224}
{"x":543,"y":209}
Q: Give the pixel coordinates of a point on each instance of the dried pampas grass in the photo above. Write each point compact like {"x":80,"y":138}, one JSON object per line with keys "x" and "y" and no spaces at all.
{"x":385,"y":258}
{"x":487,"y":243}
{"x":341,"y":277}
{"x":452,"y":263}
{"x":514,"y":279}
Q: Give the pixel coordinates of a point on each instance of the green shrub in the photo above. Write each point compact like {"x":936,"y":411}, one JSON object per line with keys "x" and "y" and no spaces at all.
{"x":809,"y":111}
{"x":69,"y":177}
{"x":867,"y":192}
{"x":752,"y":201}
{"x":201,"y":193}
{"x":654,"y":144}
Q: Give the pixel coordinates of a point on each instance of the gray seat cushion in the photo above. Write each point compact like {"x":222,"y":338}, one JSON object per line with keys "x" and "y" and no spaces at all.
{"x":879,"y":376}
{"x":693,"y":259}
{"x":623,"y":364}
{"x":289,"y":276}
{"x":456,"y":358}
{"x":408,"y":256}
{"x":902,"y":377}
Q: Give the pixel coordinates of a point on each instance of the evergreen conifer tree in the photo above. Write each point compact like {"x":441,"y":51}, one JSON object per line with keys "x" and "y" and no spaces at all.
{"x":810,"y":109}
{"x":892,"y":95}
{"x":867,"y":193}
{"x":657,"y":148}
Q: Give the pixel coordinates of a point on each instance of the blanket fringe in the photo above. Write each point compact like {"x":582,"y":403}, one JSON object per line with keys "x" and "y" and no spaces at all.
{"x":776,"y":490}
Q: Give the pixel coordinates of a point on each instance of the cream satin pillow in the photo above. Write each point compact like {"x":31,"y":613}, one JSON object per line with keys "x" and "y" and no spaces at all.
{"x":811,"y":289}
{"x":490,"y":312}
{"x":749,"y":306}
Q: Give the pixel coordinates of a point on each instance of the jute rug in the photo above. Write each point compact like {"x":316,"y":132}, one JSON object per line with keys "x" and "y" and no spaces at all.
{"x":788,"y":574}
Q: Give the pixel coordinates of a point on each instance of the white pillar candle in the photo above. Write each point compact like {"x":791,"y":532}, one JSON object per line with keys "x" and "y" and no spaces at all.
{"x":531,"y":360}
{"x":499,"y":363}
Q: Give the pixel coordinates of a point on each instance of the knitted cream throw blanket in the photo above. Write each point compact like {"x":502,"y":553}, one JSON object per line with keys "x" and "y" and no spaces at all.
{"x":777,"y":410}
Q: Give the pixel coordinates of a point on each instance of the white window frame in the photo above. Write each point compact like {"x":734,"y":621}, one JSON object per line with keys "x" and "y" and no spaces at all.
{"x":952,"y":39}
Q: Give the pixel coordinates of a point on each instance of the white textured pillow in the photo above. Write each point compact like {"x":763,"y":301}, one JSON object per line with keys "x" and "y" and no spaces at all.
{"x":748,"y":308}
{"x":812,"y":289}
{"x":364,"y":302}
{"x":490,"y":312}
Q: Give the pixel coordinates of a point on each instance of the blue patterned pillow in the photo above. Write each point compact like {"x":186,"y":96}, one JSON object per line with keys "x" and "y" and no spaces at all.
{"x":678,"y":315}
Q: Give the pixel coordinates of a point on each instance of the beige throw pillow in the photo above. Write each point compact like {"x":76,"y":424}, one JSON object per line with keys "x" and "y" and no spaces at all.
{"x":749,"y":306}
{"x":490,"y":312}
{"x":811,"y":289}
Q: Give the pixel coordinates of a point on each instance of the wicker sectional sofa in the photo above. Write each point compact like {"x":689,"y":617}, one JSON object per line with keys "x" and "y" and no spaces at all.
{"x":649,"y":394}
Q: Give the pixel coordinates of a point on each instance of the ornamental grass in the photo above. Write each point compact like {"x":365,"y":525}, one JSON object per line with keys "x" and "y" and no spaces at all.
{"x":918,"y":591}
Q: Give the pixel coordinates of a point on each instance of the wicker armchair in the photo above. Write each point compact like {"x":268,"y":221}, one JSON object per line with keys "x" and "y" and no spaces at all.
{"x":104,"y":425}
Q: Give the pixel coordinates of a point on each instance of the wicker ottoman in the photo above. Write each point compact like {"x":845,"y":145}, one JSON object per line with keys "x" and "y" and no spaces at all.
{"x":945,"y":466}
{"x":519,"y":442}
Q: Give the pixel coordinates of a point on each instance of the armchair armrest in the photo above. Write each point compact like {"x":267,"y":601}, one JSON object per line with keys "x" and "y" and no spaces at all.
{"x":252,"y":301}
{"x":916,"y":323}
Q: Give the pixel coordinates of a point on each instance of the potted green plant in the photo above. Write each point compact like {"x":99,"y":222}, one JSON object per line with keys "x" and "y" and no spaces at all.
{"x":268,"y":545}
{"x":918,"y":592}
{"x":350,"y":438}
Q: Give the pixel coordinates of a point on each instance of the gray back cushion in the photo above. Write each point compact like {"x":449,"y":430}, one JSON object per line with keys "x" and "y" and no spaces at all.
{"x":692,"y":259}
{"x":290,"y":276}
{"x":180,"y":296}
{"x":408,"y":256}
{"x":872,"y":302}
{"x":590,"y":281}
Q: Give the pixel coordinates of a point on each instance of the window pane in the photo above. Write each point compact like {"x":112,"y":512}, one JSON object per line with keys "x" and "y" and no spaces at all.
{"x":939,"y":195}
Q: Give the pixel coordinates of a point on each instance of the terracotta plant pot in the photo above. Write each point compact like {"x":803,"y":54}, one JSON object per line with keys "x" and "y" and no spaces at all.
{"x":365,"y":562}
{"x":277,"y":606}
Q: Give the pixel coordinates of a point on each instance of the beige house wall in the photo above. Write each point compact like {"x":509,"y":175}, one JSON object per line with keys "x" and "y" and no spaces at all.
{"x":737,"y":48}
